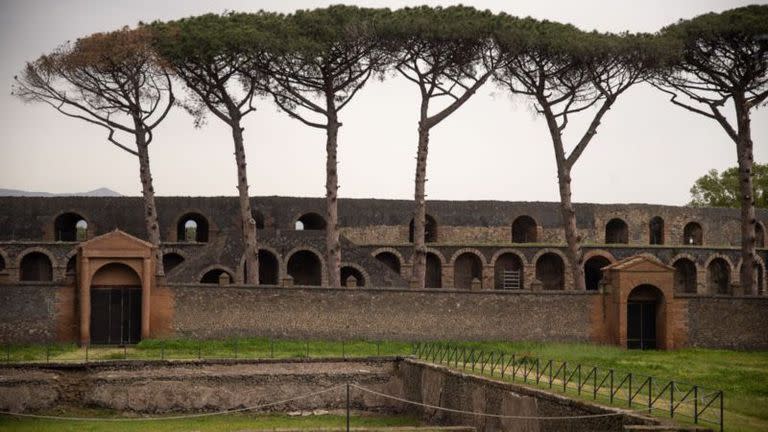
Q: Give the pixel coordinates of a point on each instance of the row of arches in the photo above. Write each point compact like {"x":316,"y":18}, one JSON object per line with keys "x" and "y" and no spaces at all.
{"x":617,"y":232}
{"x":194,"y":227}
{"x":549,"y":270}
{"x":304,"y":266}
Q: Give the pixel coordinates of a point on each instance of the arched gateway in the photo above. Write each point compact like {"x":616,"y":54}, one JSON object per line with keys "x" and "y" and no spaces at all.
{"x":116,"y":274}
{"x":645,"y":308}
{"x":639,"y":304}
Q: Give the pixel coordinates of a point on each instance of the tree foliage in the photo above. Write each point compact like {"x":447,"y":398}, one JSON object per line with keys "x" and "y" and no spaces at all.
{"x":722,"y":189}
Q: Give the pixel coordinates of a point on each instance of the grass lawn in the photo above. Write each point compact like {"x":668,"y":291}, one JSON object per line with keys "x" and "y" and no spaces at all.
{"x":743,"y":376}
{"x":233,"y":422}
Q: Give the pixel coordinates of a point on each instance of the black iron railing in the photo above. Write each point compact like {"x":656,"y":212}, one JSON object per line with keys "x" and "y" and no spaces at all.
{"x":675,"y":399}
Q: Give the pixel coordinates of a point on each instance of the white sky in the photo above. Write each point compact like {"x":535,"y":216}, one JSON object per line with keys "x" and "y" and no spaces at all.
{"x":494,"y":147}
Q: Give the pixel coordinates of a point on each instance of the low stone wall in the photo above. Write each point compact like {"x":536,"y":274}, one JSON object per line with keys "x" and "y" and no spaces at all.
{"x":440,"y":386}
{"x":163,"y":387}
{"x":216,"y":312}
{"x":728,"y":322}
{"x":183,"y":387}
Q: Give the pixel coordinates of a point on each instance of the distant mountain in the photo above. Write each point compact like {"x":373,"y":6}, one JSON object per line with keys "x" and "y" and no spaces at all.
{"x":100,"y":192}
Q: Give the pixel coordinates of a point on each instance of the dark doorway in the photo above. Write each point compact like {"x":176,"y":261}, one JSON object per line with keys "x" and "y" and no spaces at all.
{"x":36,"y":266}
{"x":616,"y":232}
{"x":593,"y":272}
{"x":430,"y":230}
{"x":656,"y":231}
{"x":642,"y":315}
{"x":467,"y":268}
{"x":524,"y":230}
{"x":305,"y":268}
{"x":434,"y":275}
{"x":508,"y":272}
{"x":115,"y":315}
{"x":550,"y":270}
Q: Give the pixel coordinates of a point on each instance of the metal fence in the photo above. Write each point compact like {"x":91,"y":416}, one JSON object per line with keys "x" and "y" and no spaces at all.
{"x":674,"y":399}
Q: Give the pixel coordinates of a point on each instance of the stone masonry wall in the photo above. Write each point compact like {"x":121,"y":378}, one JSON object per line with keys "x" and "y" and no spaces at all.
{"x":728,"y":322}
{"x":28,"y":313}
{"x":212,"y":312}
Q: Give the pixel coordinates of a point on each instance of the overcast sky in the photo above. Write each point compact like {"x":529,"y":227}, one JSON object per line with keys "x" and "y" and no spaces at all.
{"x":493,"y":148}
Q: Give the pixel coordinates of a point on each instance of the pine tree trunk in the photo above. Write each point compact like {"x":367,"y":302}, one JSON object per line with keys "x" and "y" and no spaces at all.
{"x":418,"y":275}
{"x":148,"y":193}
{"x":251,"y":251}
{"x":572,"y":239}
{"x":747,"y":276}
{"x":333,"y":248}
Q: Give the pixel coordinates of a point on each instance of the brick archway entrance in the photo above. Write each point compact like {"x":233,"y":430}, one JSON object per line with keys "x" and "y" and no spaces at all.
{"x":115,"y":305}
{"x":644,"y":314}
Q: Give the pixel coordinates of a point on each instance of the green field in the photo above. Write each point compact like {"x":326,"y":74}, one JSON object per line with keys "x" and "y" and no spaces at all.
{"x":233,"y":422}
{"x":743,"y":376}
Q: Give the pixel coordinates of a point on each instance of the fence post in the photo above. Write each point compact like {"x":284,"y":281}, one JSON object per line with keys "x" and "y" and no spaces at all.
{"x":8,"y":353}
{"x":503,"y":367}
{"x":551,"y":364}
{"x":162,"y":350}
{"x":722,"y":396}
{"x":672,"y":399}
{"x":125,"y":351}
{"x":537,"y":371}
{"x":565,"y":376}
{"x":696,"y":404}
{"x":86,"y":352}
{"x":199,"y":350}
{"x":343,"y":350}
{"x":611,"y":372}
{"x":47,"y":353}
{"x":650,"y":394}
{"x":594,"y":383}
{"x":630,"y":390}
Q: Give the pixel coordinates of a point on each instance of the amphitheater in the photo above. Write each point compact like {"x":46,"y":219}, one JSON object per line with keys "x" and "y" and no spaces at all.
{"x":77,"y":269}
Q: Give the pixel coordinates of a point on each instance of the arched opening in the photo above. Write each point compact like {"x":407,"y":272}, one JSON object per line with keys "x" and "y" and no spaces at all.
{"x":269,"y":268}
{"x":305,"y":268}
{"x":434,"y":275}
{"x":115,"y":305}
{"x":550,"y":270}
{"x":310,"y":221}
{"x":212,"y":276}
{"x":685,"y":276}
{"x":645,"y":317}
{"x":616,"y":232}
{"x":192,"y":227}
{"x":70,"y":227}
{"x":693,"y":234}
{"x":508,"y":272}
{"x":759,"y":235}
{"x":36,"y":267}
{"x":390,"y":260}
{"x":171,"y":260}
{"x":430,"y":230}
{"x":719,"y":276}
{"x":656,"y":231}
{"x":524,"y":230}
{"x":2,"y":263}
{"x":593,"y":272}
{"x":467,"y":267}
{"x":348,"y":271}
{"x":72,"y":265}
{"x":258,"y":217}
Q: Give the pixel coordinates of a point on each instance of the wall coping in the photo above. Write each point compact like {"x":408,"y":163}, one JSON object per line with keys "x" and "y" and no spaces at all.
{"x":387,"y":289}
